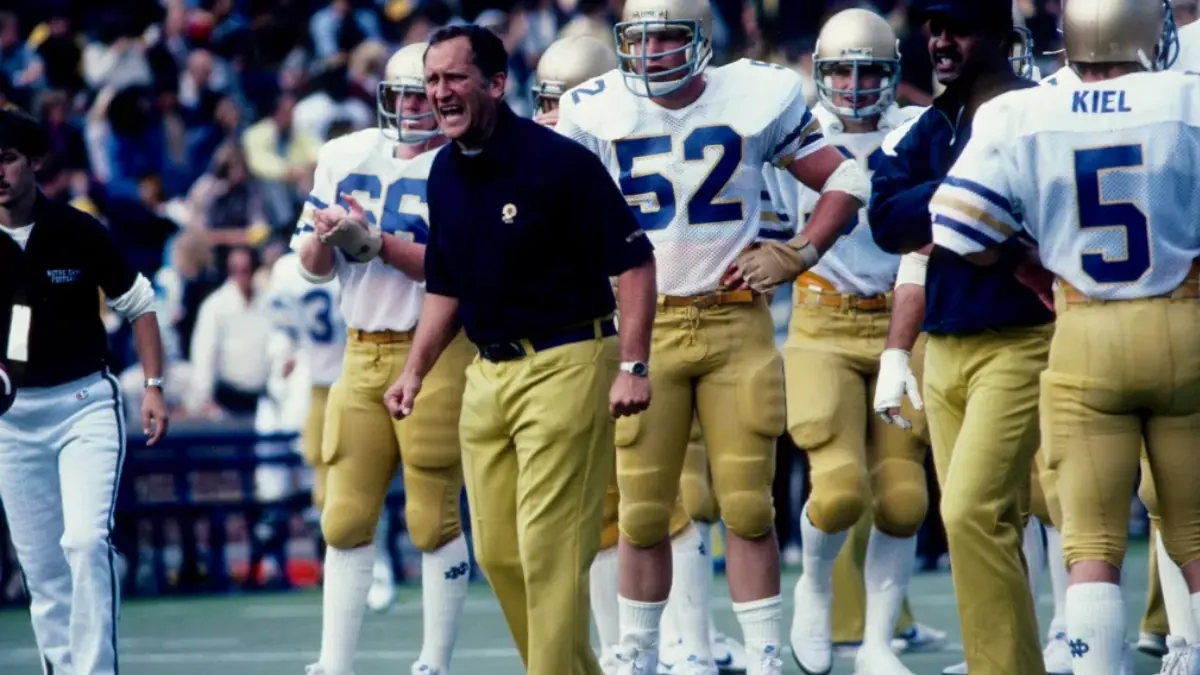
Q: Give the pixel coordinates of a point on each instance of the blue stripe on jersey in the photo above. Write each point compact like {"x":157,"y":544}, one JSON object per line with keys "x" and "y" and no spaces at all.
{"x":778,"y":235}
{"x":972,"y":233}
{"x":983,"y":191}
{"x":795,"y":133}
{"x":316,"y":201}
{"x":783,"y":217}
{"x":812,"y":138}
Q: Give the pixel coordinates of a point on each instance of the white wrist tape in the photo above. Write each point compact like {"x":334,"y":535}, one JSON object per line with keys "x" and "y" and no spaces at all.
{"x":138,"y":300}
{"x":912,"y":269}
{"x":316,"y":278}
{"x":850,"y":178}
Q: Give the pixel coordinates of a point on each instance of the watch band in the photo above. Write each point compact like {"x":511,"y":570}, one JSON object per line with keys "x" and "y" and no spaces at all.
{"x":153,"y":382}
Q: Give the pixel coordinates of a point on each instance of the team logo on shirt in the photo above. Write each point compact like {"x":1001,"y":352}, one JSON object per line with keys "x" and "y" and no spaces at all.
{"x":508,"y":213}
{"x":62,"y":276}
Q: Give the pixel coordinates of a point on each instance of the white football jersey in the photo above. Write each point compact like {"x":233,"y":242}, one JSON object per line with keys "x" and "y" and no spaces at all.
{"x":375,"y":295}
{"x":309,"y":314}
{"x":1065,"y":76}
{"x":693,"y":176}
{"x":1189,"y":48}
{"x":1103,"y":176}
{"x":854,"y":264}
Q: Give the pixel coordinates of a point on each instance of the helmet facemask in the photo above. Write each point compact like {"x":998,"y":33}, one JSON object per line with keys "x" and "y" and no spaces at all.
{"x":697,"y":49}
{"x":885,"y":93}
{"x":1022,"y":52}
{"x":394,"y":124}
{"x":546,"y":91}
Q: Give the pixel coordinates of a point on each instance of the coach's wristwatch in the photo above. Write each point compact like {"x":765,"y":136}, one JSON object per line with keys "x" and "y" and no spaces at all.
{"x":637,"y":368}
{"x":153,"y":382}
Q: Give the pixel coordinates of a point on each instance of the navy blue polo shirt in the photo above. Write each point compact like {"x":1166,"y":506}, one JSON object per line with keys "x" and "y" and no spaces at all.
{"x":960,"y":297}
{"x":526,"y":233}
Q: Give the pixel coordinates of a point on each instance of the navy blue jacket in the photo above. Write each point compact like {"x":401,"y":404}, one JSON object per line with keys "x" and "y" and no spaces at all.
{"x":960,"y":297}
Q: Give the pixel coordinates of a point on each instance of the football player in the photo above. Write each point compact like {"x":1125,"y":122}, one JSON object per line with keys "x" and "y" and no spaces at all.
{"x":568,"y":63}
{"x":376,"y":251}
{"x":837,"y":332}
{"x":1102,"y":176}
{"x":688,"y":151}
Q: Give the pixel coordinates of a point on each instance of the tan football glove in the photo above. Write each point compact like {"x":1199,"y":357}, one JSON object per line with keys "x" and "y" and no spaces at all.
{"x":358,"y":239}
{"x":768,"y":264}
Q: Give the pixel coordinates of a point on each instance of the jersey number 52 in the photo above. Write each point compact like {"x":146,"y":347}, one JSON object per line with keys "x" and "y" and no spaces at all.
{"x":1124,"y":217}
{"x":653,"y":195}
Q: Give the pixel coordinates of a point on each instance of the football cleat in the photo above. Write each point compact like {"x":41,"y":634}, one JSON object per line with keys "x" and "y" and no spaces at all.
{"x":728,"y":654}
{"x":812,"y":628}
{"x":633,"y":660}
{"x":422,"y":669}
{"x":1181,"y":659}
{"x":769,"y":662}
{"x":919,"y":638}
{"x":382,"y":593}
{"x":1153,"y":644}
{"x":1057,"y":655}
{"x":956,"y":669}
{"x":878,"y":661}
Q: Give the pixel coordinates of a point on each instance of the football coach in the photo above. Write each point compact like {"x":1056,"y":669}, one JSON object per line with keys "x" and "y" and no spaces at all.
{"x":526,"y":228}
{"x":62,"y":443}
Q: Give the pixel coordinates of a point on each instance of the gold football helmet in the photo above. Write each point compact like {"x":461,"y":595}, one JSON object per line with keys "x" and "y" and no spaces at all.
{"x":568,"y":63}
{"x":1121,"y":31}
{"x":403,"y":75}
{"x":857,"y":38}
{"x":690,"y":18}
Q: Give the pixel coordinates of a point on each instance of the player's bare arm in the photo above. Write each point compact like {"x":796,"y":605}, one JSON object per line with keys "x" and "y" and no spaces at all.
{"x":316,"y":256}
{"x":843,"y":186}
{"x":637,"y":293}
{"x":896,"y":378}
{"x":437,"y":326}
{"x":406,"y":256}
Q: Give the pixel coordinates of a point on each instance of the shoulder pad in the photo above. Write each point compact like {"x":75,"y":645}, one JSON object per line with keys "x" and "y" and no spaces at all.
{"x":771,"y":87}
{"x":602,"y":107}
{"x":897,"y":116}
{"x":351,"y":148}
{"x":828,"y":120}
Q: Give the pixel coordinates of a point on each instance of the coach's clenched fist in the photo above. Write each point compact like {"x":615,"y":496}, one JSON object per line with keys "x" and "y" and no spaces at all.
{"x":401,"y":396}
{"x":630,"y":395}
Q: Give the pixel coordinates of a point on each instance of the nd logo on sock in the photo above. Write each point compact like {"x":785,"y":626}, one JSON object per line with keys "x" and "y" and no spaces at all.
{"x":717,"y":546}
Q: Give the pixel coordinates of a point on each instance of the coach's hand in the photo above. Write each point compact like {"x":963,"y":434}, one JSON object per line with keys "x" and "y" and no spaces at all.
{"x":629,"y":395}
{"x":154,"y":415}
{"x":402,"y":395}
{"x":895,"y":379}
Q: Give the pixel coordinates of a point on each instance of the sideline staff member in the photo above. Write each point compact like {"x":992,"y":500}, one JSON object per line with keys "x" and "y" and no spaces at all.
{"x":525,"y":229}
{"x":62,"y":443}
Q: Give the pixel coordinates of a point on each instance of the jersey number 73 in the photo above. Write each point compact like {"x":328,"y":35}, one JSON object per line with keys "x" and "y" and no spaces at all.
{"x":653,"y":194}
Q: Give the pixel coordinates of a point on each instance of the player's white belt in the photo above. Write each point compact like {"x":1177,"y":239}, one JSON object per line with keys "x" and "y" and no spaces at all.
{"x":381,"y":337}
{"x":743,"y":297}
{"x":813,"y":290}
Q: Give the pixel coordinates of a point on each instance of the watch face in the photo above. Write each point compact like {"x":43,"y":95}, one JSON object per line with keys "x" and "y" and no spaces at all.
{"x":640,"y":369}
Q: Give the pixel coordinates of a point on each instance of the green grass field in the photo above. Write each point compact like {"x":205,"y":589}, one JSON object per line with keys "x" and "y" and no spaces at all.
{"x":277,"y":634}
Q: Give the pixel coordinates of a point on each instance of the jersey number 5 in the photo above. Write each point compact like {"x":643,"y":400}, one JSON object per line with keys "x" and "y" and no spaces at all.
{"x":1098,"y":213}
{"x":653,"y":193}
{"x":401,"y":194}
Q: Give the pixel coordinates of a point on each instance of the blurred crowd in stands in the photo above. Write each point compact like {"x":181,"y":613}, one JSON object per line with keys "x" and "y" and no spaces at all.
{"x":191,"y":128}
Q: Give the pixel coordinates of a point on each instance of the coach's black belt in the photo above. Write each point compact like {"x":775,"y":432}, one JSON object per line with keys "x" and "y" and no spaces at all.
{"x":498,"y":352}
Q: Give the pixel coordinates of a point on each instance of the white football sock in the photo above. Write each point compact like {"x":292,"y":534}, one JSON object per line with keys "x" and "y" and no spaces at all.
{"x":383,"y":554}
{"x":1181,"y":616}
{"x":344,"y":600}
{"x":761,"y":622}
{"x":445,"y":580}
{"x":1096,"y":628}
{"x":1035,"y":554}
{"x":1192,"y":640}
{"x":603,"y":584}
{"x":820,"y":550}
{"x":640,"y":623}
{"x":1059,"y":579}
{"x":886,"y":572}
{"x":688,"y":610}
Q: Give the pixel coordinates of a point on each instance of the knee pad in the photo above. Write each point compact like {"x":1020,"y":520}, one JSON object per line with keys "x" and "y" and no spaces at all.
{"x":749,"y":514}
{"x":431,"y":506}
{"x":900,"y":497}
{"x":645,"y":524}
{"x":761,"y":406}
{"x":838,"y":499}
{"x":348,"y":523}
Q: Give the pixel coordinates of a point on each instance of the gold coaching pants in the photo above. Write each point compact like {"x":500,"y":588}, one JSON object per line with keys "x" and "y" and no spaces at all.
{"x":981,"y":403}
{"x":1121,"y":374}
{"x":537,"y":442}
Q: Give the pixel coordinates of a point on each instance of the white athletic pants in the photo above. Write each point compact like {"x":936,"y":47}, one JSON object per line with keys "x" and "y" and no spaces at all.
{"x":61,"y":451}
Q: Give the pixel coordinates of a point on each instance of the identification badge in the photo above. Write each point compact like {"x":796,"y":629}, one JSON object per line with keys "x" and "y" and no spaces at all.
{"x":18,"y":333}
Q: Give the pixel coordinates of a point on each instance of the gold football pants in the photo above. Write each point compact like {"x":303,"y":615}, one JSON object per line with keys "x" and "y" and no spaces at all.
{"x":363,"y":444}
{"x":314,"y":433}
{"x":1154,"y":620}
{"x":1043,"y":493}
{"x":718,"y":362}
{"x":858,"y":462}
{"x":538,"y":454}
{"x":981,"y":402}
{"x":1123,"y":373}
